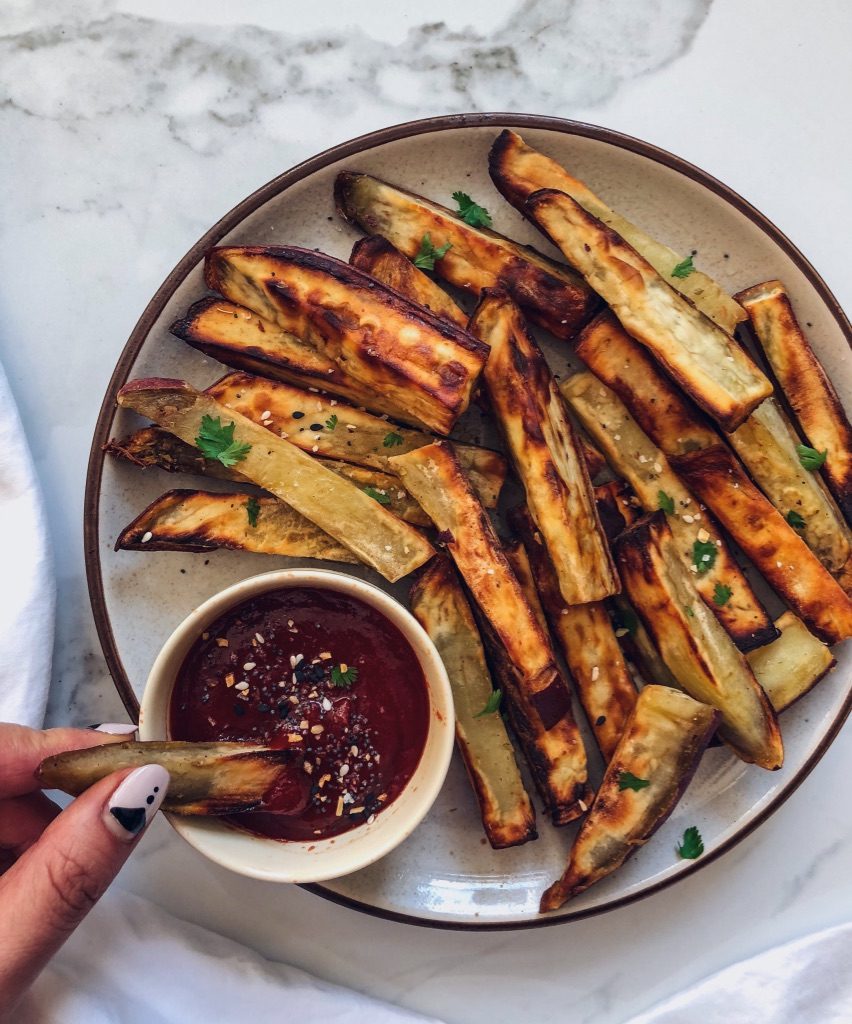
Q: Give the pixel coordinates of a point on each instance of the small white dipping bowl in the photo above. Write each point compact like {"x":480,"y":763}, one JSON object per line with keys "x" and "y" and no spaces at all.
{"x":271,"y":859}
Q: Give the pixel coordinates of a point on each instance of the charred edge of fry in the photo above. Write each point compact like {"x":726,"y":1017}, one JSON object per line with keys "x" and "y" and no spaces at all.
{"x":153,"y":447}
{"x":618,"y":507}
{"x":551,"y":293}
{"x":774,"y":547}
{"x":375,"y":255}
{"x":543,"y":445}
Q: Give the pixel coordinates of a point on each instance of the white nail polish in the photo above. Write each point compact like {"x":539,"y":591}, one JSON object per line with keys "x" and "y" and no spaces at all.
{"x":116,"y":728}
{"x":136,"y":801}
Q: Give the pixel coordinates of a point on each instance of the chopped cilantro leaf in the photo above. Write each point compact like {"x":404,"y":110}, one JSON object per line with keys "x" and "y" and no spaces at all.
{"x":331,"y":422}
{"x":689,"y":610}
{"x":704,"y":555}
{"x":381,"y":498}
{"x":392,"y":439}
{"x":665,"y":503}
{"x":215,"y":441}
{"x":692,"y":845}
{"x":627,"y":780}
{"x":721,"y":594}
{"x":472,"y":213}
{"x":252,"y":511}
{"x":795,"y":520}
{"x":343,"y":676}
{"x":810,"y":458}
{"x":491,"y":705}
{"x":427,"y":253}
{"x":684,"y":268}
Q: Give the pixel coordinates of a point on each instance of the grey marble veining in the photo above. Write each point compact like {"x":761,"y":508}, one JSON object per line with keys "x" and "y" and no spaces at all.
{"x":129,"y":126}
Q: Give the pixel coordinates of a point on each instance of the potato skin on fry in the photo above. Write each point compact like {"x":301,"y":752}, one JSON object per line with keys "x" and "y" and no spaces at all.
{"x":662,"y":744}
{"x":705,"y":361}
{"x":693,"y":645}
{"x":550,"y":294}
{"x":422,"y":365}
{"x":545,"y":451}
{"x":440,"y":606}
{"x":377,"y":257}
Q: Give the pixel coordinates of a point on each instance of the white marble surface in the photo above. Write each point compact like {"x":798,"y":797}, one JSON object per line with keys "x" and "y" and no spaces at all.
{"x":129,"y":126}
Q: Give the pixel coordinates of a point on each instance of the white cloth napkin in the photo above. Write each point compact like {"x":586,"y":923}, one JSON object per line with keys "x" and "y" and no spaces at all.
{"x":129,"y":962}
{"x":808,"y":981}
{"x":27,"y":596}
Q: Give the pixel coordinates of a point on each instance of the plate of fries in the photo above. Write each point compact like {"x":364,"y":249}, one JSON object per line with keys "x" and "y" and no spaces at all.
{"x":577,"y":405}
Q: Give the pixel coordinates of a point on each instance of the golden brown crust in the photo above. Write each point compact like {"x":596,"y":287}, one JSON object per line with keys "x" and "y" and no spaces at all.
{"x":635,"y":458}
{"x":587,"y":640}
{"x":422,"y":365}
{"x":519,"y":650}
{"x":705,"y":361}
{"x":381,"y":260}
{"x":439,"y":603}
{"x":693,"y":645}
{"x":518,"y":171}
{"x":774,"y":547}
{"x":369,"y":531}
{"x":543,"y":445}
{"x":812,"y":396}
{"x":550,"y":294}
{"x":662,"y":744}
{"x":186,"y":520}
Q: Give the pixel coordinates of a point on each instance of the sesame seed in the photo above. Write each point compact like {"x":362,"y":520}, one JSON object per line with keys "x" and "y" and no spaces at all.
{"x":779,"y":564}
{"x":350,"y":427}
{"x":388,"y":547}
{"x":147,"y":536}
{"x":616,"y":437}
{"x":353,"y":751}
{"x":622,"y":632}
{"x":583,"y":805}
{"x":315,"y":448}
{"x":344,"y":770}
{"x":249,"y":665}
{"x":371,"y":819}
{"x":688,"y":519}
{"x":326,"y":704}
{"x":242,"y":685}
{"x":595,"y":673}
{"x":229,"y":679}
{"x":317,"y":729}
{"x":705,"y":558}
{"x":657,"y":467}
{"x":308,"y":767}
{"x":643,"y":458}
{"x":259,"y":638}
{"x":294,"y":737}
{"x":703,"y":535}
{"x":221,"y":641}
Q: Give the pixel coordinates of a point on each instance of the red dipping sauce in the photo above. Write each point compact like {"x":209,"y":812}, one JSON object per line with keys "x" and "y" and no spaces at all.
{"x":324,"y":674}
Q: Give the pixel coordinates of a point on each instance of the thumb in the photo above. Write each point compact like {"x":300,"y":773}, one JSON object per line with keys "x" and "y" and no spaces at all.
{"x":51,"y":888}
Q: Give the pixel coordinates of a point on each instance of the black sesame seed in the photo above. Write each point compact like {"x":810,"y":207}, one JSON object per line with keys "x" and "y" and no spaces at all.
{"x":298,"y":415}
{"x":316,"y":426}
{"x":600,"y":720}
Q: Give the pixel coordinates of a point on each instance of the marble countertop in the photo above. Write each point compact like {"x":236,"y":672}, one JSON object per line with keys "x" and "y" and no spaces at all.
{"x":129,"y":126}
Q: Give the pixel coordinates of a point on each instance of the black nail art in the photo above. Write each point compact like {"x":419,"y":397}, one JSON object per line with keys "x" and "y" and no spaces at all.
{"x":131,"y":819}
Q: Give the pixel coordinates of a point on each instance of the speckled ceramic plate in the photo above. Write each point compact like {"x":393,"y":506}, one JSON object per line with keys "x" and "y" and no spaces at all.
{"x":445,"y":875}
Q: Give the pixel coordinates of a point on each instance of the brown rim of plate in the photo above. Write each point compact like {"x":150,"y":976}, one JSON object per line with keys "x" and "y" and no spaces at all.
{"x":231,"y":220}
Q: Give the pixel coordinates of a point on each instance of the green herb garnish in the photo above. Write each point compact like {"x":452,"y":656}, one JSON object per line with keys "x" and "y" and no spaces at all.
{"x":215,"y":441}
{"x":392,"y":439}
{"x":665,"y":503}
{"x":379,"y":496}
{"x":331,"y":422}
{"x":472,"y":213}
{"x":343,"y":676}
{"x":684,"y":268}
{"x":427,"y":253}
{"x":692,"y":845}
{"x":491,"y":705}
{"x":810,"y":458}
{"x":704,"y":555}
{"x":252,"y":511}
{"x":627,"y":780}
{"x":795,"y":520}
{"x":721,"y":594}
{"x":689,"y":611}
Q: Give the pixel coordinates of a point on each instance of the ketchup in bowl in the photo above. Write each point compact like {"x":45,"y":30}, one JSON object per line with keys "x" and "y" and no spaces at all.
{"x":324,"y":674}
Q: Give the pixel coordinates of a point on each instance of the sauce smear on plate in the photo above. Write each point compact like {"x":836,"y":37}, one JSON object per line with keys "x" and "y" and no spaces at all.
{"x":324,"y":674}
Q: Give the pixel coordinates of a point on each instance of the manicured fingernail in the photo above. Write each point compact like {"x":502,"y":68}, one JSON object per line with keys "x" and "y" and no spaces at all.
{"x":116,"y":728}
{"x":136,"y":801}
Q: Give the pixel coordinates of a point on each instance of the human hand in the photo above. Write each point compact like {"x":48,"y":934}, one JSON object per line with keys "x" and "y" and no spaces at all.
{"x":54,"y":865}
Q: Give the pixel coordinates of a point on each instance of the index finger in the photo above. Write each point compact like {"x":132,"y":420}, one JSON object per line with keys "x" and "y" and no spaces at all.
{"x":22,"y":750}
